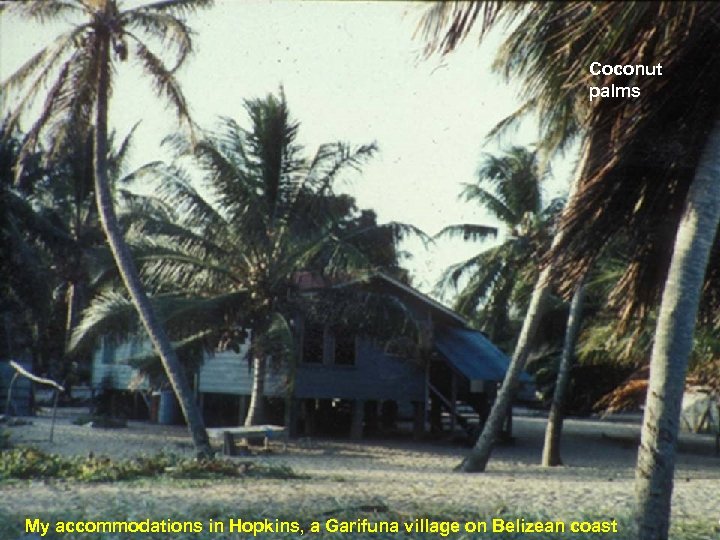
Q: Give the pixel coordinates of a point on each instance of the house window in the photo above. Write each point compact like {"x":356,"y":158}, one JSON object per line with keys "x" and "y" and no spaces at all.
{"x":313,"y":343}
{"x":344,"y":348}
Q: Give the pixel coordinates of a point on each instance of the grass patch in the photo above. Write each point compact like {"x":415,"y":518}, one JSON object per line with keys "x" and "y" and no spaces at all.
{"x":30,"y":463}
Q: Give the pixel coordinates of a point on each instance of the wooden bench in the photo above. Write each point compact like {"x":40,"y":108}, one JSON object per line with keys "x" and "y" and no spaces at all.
{"x":228,"y":435}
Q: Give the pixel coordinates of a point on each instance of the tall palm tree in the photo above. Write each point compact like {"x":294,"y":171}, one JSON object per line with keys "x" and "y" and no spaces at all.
{"x":81,"y":63}
{"x":673,"y":191}
{"x":65,"y":196}
{"x":29,"y":243}
{"x":226,"y":263}
{"x":561,"y":111}
{"x":509,"y":189}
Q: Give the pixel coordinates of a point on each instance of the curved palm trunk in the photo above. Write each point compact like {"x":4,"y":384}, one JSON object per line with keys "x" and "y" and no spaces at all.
{"x":673,"y":343}
{"x":553,"y":431}
{"x":480,"y":454}
{"x":128,"y":271}
{"x":257,"y":396}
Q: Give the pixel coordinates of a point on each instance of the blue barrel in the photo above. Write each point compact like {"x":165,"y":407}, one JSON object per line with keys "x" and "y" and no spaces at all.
{"x":168,"y":409}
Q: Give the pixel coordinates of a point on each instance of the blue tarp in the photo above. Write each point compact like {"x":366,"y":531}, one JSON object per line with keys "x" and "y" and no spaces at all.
{"x":473,"y":355}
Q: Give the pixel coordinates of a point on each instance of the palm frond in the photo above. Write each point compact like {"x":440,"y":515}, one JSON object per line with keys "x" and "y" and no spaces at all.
{"x":41,"y":11}
{"x":136,"y":208}
{"x":164,"y":265}
{"x":163,"y":80}
{"x":511,"y":121}
{"x":331,"y":159}
{"x":175,"y":7}
{"x":239,"y":191}
{"x":110,"y":315}
{"x":481,"y":283}
{"x":177,"y":191}
{"x":492,"y":202}
{"x":44,"y":62}
{"x":75,"y":109}
{"x":277,"y":343}
{"x":398,"y":230}
{"x":444,"y":25}
{"x":54,"y":96}
{"x":468,"y":232}
{"x":167,"y":28}
{"x":119,"y":157}
{"x":362,"y":311}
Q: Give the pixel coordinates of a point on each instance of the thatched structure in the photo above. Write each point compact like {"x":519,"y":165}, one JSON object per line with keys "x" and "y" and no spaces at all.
{"x":630,"y":395}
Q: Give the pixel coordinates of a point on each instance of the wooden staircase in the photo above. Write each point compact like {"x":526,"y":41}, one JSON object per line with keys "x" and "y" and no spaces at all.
{"x":456,"y":414}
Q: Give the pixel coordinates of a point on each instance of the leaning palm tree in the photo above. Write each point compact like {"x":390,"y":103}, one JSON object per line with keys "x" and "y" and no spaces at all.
{"x":77,"y":68}
{"x":227,"y":263}
{"x":509,"y":189}
{"x":561,"y":114}
{"x":650,"y":191}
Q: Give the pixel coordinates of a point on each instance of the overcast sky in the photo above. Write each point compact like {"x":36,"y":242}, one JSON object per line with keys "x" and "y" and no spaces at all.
{"x":351,"y":71}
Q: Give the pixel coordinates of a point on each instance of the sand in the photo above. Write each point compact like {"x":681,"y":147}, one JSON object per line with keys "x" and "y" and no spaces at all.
{"x":405,"y":476}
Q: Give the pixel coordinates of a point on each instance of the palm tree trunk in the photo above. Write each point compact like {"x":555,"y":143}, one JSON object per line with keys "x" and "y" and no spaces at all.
{"x":673,"y":343}
{"x":75,"y":302}
{"x":126,"y":265}
{"x":553,"y":431}
{"x":477,"y":460}
{"x":257,"y":396}
{"x":290,"y":396}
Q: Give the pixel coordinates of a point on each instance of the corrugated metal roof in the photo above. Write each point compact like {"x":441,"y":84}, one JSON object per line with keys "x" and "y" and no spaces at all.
{"x":472,"y":354}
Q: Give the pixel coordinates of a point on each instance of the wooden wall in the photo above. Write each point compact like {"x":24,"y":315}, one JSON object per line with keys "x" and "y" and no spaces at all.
{"x":107,"y":366}
{"x":375,"y":375}
{"x":229,"y":373}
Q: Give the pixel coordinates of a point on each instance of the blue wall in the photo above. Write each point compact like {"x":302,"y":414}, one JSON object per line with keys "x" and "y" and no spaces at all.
{"x":375,"y":376}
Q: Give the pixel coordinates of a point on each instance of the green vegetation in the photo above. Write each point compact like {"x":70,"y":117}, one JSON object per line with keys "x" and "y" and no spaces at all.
{"x":82,"y":64}
{"x":498,"y":280}
{"x":223,"y":265}
{"x":30,"y":463}
{"x":223,"y":261}
{"x":4,"y":439}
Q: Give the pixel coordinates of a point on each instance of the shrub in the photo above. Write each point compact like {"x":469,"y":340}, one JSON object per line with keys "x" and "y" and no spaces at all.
{"x":24,"y":463}
{"x":4,"y":439}
{"x":31,"y":463}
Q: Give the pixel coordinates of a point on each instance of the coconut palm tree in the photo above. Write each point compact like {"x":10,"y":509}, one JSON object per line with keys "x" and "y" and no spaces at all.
{"x":509,"y":189}
{"x":65,"y":196}
{"x":28,"y":242}
{"x":650,"y":190}
{"x":77,"y":68}
{"x":226,"y":263}
{"x":54,"y":237}
{"x":561,"y":113}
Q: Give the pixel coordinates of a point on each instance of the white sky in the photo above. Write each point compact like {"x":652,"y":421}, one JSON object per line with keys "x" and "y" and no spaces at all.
{"x":351,"y":72}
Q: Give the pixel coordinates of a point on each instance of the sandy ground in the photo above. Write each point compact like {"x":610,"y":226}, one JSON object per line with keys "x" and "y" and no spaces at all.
{"x":597,"y":477}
